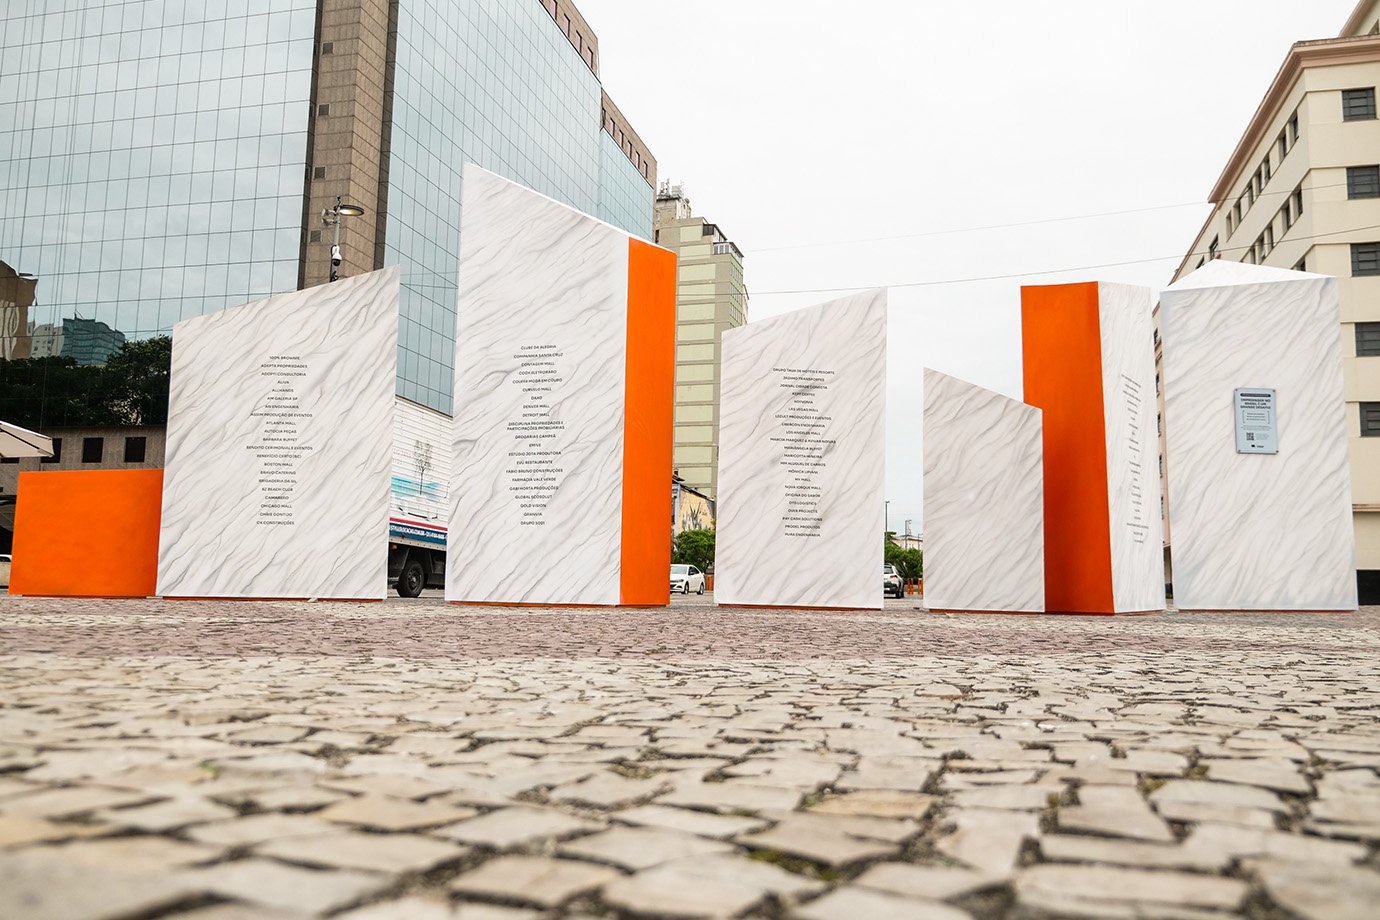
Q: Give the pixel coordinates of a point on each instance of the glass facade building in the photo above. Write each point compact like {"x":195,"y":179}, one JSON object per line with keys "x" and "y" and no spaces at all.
{"x":152,"y":155}
{"x":155,"y":155}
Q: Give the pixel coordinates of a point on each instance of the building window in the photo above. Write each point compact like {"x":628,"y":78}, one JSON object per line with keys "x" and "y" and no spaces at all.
{"x":1358,"y":104}
{"x":1367,"y":340}
{"x":1363,"y":182}
{"x":92,"y":450}
{"x":135,"y":449}
{"x":9,"y":459}
{"x":1301,"y":265}
{"x":1365,"y":259}
{"x":57,"y":452}
{"x":1212,"y":247}
{"x":1370,"y":420}
{"x":1296,"y":202}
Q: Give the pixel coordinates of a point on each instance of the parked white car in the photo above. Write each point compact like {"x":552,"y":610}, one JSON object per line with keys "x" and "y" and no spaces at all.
{"x":892,"y":585}
{"x":686,"y":578}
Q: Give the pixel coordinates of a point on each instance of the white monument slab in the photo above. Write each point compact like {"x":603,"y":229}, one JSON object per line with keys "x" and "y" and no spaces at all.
{"x":1255,"y":420}
{"x":280,"y":425}
{"x":564,"y":386}
{"x":984,"y":500}
{"x":801,"y":510}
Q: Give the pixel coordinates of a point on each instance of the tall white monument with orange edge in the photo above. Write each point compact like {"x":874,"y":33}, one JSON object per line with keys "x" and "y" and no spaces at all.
{"x":564,"y":380}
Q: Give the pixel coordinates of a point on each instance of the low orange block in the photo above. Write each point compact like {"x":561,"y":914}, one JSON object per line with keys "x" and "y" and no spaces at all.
{"x":87,"y":533}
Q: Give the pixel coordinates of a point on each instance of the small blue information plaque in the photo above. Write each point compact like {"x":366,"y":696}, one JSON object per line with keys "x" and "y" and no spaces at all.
{"x":1257,"y":429}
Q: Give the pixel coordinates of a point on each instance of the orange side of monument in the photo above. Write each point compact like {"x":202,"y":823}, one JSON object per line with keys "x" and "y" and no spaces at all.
{"x":87,"y":533}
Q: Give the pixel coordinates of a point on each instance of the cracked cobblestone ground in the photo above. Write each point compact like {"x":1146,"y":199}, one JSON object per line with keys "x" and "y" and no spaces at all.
{"x":217,"y":761}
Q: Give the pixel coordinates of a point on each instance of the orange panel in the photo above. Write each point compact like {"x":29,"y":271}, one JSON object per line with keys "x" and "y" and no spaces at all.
{"x":648,"y":408}
{"x":87,"y":533}
{"x":1062,"y":348}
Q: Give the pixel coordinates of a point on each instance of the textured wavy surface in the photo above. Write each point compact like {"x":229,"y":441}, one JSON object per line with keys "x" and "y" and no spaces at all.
{"x":984,"y":499}
{"x":312,"y":369}
{"x":802,"y":436}
{"x":1130,"y":406}
{"x":1257,"y":531}
{"x":535,"y":274}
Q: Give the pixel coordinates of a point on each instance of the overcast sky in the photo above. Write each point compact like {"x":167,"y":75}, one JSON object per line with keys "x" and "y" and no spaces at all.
{"x":808,"y":130}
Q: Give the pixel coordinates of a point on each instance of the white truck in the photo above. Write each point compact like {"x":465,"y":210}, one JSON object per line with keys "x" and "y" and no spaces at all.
{"x":418,"y":503}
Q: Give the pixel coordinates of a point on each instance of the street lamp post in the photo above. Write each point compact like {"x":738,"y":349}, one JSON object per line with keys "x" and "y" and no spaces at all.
{"x":331,"y":218}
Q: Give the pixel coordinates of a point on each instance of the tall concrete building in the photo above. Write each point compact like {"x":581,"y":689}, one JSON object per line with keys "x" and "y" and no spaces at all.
{"x":168,"y":158}
{"x":710,"y":297}
{"x":1302,"y":190}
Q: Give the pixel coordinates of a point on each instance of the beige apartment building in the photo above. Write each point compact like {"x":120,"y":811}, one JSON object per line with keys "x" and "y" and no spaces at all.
{"x":1302,"y":190}
{"x":710,"y":297}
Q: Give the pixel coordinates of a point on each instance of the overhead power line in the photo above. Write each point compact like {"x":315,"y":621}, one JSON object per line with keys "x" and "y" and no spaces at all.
{"x":813,"y":244}
{"x":1048,"y":271}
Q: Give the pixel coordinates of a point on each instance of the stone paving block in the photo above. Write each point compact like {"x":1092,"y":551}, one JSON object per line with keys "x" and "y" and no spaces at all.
{"x":907,"y":774}
{"x":818,"y":844}
{"x":1200,"y":792}
{"x":39,"y":886}
{"x":389,"y":814}
{"x":1067,"y":888}
{"x":267,"y":734}
{"x":1195,"y":812}
{"x":1319,"y":892}
{"x":1072,"y":848}
{"x":988,"y":840}
{"x":1352,"y":809}
{"x":395,"y":785}
{"x":722,"y":886}
{"x":879,"y":803}
{"x":938,"y":883}
{"x":1278,"y":775}
{"x":134,"y":854}
{"x":67,"y":801}
{"x":408,"y":908}
{"x":535,"y":880}
{"x":726,"y":797}
{"x":1148,"y":762}
{"x":290,"y":798}
{"x":273,"y":884}
{"x":850,"y":903}
{"x":240,"y":912}
{"x":366,"y":852}
{"x":971,"y":780}
{"x":518,"y":825}
{"x":18,"y":830}
{"x":635,"y":848}
{"x":802,"y":772}
{"x":1244,"y":842}
{"x":255,"y":829}
{"x":167,"y":815}
{"x":609,"y":790}
{"x":1116,"y":811}
{"x":702,"y":824}
{"x":1031,"y":797}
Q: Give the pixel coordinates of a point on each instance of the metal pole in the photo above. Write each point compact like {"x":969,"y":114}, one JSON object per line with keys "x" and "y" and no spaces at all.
{"x":335,"y":247}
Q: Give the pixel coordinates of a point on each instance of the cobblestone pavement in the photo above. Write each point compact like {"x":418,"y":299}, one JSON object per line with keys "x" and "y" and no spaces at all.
{"x":218,"y":761}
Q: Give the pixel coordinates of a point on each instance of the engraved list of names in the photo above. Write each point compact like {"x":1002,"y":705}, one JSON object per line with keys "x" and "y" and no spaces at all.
{"x":534,"y":471}
{"x":278,"y":446}
{"x":803,"y":431}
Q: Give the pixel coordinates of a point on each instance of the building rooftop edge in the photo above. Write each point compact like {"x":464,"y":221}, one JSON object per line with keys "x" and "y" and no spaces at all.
{"x":1353,"y":22}
{"x":1301,"y":56}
